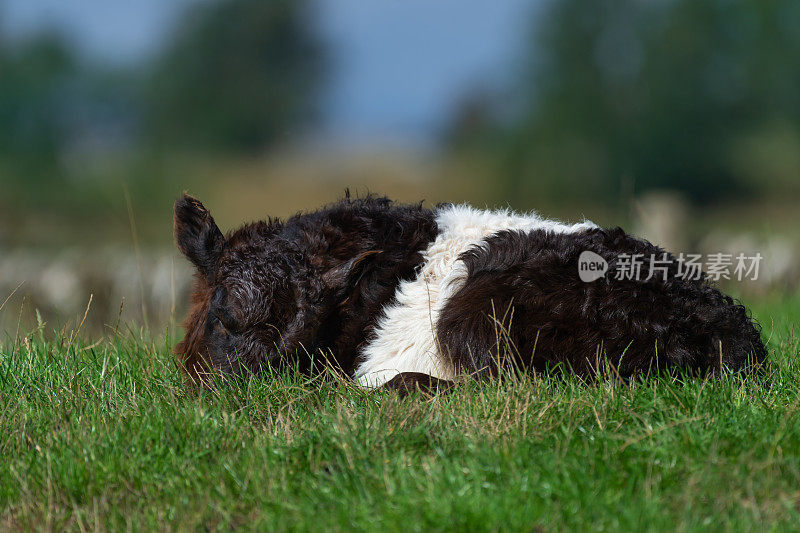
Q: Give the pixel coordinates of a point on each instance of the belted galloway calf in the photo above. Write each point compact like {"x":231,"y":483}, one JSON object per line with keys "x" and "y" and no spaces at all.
{"x":403,"y":296}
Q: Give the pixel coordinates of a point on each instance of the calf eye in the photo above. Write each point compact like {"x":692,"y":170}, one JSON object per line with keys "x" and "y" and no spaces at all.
{"x":218,"y":326}
{"x":222,"y":321}
{"x":219,"y":317}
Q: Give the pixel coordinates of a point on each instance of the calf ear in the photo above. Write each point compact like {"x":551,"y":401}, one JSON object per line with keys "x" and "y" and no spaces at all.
{"x":197,"y":235}
{"x":345,"y":276}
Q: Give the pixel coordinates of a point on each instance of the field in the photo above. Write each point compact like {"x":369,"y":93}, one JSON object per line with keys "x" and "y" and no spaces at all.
{"x":103,"y":435}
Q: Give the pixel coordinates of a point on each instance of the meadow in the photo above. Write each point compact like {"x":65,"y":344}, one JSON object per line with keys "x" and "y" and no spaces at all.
{"x":105,"y":435}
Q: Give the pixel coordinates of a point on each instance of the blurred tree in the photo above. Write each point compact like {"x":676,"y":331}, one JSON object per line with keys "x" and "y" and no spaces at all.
{"x":35,"y":77}
{"x":658,"y":94}
{"x":238,"y":74}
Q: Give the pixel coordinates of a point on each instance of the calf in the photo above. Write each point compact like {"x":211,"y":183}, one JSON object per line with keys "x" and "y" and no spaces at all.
{"x":403,"y":296}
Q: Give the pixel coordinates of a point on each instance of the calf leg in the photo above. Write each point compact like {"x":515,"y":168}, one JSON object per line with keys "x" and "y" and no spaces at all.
{"x":407,"y":382}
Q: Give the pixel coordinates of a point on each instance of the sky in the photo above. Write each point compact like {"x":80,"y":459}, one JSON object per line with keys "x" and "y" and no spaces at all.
{"x":400,"y":67}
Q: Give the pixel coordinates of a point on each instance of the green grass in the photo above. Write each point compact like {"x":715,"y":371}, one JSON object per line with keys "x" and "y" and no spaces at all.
{"x":107,"y":437}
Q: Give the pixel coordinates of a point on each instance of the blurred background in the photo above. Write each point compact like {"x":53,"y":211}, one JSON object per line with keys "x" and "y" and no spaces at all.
{"x":677,"y":119}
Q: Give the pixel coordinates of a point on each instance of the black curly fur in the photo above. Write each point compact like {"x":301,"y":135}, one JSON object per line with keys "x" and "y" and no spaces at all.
{"x":523,"y":296}
{"x":276,"y":292}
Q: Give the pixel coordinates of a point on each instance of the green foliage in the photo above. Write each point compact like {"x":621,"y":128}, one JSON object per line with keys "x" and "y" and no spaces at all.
{"x":658,"y":94}
{"x":238,"y":75}
{"x":34,"y":77}
{"x":107,"y":436}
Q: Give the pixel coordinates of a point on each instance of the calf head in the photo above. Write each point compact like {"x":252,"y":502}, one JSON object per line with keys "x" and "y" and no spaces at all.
{"x":259,"y":298}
